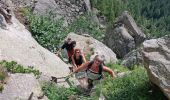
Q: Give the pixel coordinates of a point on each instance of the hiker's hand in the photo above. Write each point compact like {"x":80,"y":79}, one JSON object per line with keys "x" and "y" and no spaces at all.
{"x":57,"y":54}
{"x":74,"y":69}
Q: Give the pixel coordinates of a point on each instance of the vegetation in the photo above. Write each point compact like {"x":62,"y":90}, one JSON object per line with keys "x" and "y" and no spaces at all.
{"x":135,"y":86}
{"x":152,"y":15}
{"x":84,"y":24}
{"x":54,"y":92}
{"x":50,"y":32}
{"x":116,"y":67}
{"x":13,"y":67}
{"x":3,"y":75}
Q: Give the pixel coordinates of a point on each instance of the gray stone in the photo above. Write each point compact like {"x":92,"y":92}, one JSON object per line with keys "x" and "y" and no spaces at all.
{"x":124,"y":35}
{"x":87,"y":5}
{"x":119,"y":40}
{"x":24,"y":3}
{"x":17,"y":44}
{"x":62,"y":8}
{"x":130,"y":24}
{"x":156,"y":53}
{"x":20,"y":86}
{"x":3,"y":23}
{"x":132,"y":58}
{"x":90,"y":45}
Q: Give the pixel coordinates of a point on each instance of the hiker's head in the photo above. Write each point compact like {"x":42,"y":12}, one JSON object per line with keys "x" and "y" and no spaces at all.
{"x":77,"y":51}
{"x":69,"y":40}
{"x":99,"y":59}
{"x":74,"y":43}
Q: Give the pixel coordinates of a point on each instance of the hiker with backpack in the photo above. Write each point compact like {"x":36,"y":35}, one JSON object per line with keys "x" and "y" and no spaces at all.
{"x":94,"y":70}
{"x":69,"y":46}
{"x":77,"y":60}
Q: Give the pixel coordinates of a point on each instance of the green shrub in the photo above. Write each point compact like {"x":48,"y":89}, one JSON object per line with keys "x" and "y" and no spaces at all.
{"x":16,"y":68}
{"x":2,"y":75}
{"x":84,"y":24}
{"x":1,"y":87}
{"x":135,"y":86}
{"x":54,"y":92}
{"x":48,"y":32}
{"x":117,"y":67}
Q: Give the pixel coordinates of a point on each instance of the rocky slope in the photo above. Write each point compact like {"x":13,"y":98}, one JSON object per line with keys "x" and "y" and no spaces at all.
{"x":124,"y":35}
{"x":17,"y":44}
{"x":156,"y":53}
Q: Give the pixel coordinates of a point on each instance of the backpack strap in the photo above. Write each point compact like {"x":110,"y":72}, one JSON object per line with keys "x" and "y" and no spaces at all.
{"x":100,"y":67}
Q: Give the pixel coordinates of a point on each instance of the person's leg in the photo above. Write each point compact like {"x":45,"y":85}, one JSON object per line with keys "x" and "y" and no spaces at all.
{"x":70,"y":53}
{"x":83,"y":83}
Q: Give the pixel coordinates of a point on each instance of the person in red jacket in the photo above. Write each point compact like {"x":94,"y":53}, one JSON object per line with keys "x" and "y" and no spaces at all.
{"x":69,"y":46}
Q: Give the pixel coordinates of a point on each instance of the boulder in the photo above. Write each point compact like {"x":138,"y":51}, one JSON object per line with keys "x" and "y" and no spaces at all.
{"x":3,"y":23}
{"x":67,"y":9}
{"x":23,"y":3}
{"x":17,"y":44}
{"x":132,"y":27}
{"x":132,"y":58}
{"x":5,"y":14}
{"x":20,"y":87}
{"x":120,"y":41}
{"x":91,"y":47}
{"x":156,"y":53}
{"x":124,"y":35}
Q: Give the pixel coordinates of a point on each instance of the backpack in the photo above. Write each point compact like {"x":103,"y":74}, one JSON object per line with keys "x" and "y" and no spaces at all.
{"x":100,"y":69}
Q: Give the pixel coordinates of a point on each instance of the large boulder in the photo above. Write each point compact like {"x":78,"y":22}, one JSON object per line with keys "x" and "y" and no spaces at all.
{"x":20,"y":87}
{"x":132,"y":58}
{"x":132,"y":27}
{"x":156,"y":53}
{"x":67,"y":9}
{"x":17,"y":44}
{"x":124,"y":35}
{"x":23,"y":3}
{"x":91,"y":47}
{"x":120,"y":41}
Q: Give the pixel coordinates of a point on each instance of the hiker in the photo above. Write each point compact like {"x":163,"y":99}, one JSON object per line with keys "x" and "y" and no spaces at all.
{"x":77,"y":60}
{"x":6,"y":12}
{"x":69,"y":46}
{"x":94,"y":70}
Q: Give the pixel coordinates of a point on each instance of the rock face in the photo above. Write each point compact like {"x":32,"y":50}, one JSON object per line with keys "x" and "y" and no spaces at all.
{"x":5,"y":13}
{"x":156,"y":53}
{"x":132,"y":27}
{"x":23,"y":3}
{"x":120,"y":41}
{"x":124,"y":35}
{"x":91,"y":46}
{"x":67,"y":9}
{"x":17,"y":44}
{"x":132,"y":58}
{"x":20,"y":87}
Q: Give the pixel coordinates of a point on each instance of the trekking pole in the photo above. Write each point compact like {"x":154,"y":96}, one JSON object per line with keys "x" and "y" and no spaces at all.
{"x":66,"y":78}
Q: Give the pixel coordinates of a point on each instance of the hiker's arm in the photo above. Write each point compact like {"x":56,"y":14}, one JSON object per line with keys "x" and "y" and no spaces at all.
{"x":84,"y":59}
{"x":73,"y":61}
{"x":60,"y":49}
{"x":110,"y":71}
{"x":83,"y":66}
